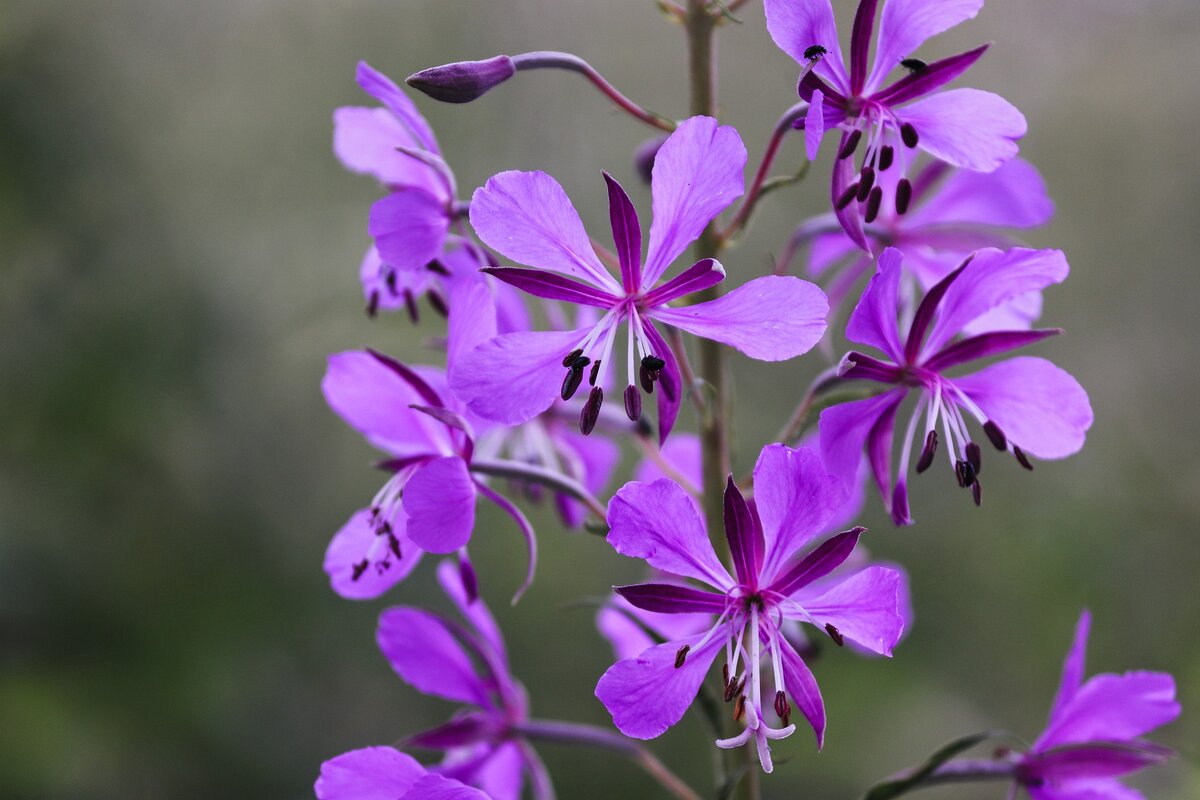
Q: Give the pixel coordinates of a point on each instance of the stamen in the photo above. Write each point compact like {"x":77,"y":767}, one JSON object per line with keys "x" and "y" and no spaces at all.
{"x":782,"y":708}
{"x":904,"y":192}
{"x":633,"y":403}
{"x":874,"y":200}
{"x":681,"y":655}
{"x":359,"y":569}
{"x":964,"y":472}
{"x":389,"y":280}
{"x":867,"y":181}
{"x":887,"y":155}
{"x":571,"y":382}
{"x":997,"y":437}
{"x":835,"y":634}
{"x":591,"y":411}
{"x":851,"y":144}
{"x":570,"y":357}
{"x":848,"y":195}
{"x":410,"y":305}
{"x":909,"y":134}
{"x":439,"y":304}
{"x":928,"y":452}
{"x":373,"y":304}
{"x":594,"y":373}
{"x":1021,"y":458}
{"x":975,"y":457}
{"x":977,"y":492}
{"x":739,"y":709}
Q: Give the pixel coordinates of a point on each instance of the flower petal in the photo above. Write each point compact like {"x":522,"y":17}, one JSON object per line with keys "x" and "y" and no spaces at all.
{"x":831,"y":554}
{"x":669,"y":598}
{"x":670,"y":382}
{"x":528,"y":217}
{"x":966,"y":127}
{"x":874,"y":319}
{"x":930,"y":78}
{"x":906,"y":24}
{"x":658,"y":522}
{"x":631,"y":630}
{"x":515,"y":376}
{"x":375,"y":401}
{"x":682,"y":454}
{"x":849,"y":215}
{"x":365,"y":141}
{"x":802,"y":688}
{"x":438,"y":787}
{"x":409,"y":228}
{"x":797,"y":26}
{"x":1013,"y":196}
{"x":865,"y":608}
{"x":699,"y":276}
{"x":1103,"y":789}
{"x":1041,"y":408}
{"x":387,"y":289}
{"x":772,"y":318}
{"x":425,"y":653}
{"x":385,"y":90}
{"x":372,"y":773}
{"x":439,"y":499}
{"x":986,"y":345}
{"x":350,"y":546}
{"x":502,"y":775}
{"x":548,"y":285}
{"x":814,"y":124}
{"x":627,"y":234}
{"x":795,"y":497}
{"x":648,"y":694}
{"x":1113,"y":708}
{"x":1090,"y":761}
{"x":1073,"y":665}
{"x":697,"y":174}
{"x":473,"y":609}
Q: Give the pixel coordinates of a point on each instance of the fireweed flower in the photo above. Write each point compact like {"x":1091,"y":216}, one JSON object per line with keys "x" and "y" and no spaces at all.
{"x":384,"y":773}
{"x":526,"y":216}
{"x":964,"y":127}
{"x":1025,"y":404}
{"x":1094,"y":732}
{"x":772,"y":583}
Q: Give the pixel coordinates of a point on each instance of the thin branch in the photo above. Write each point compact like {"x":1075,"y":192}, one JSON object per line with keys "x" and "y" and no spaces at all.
{"x":548,"y":59}
{"x":540,"y":475}
{"x":782,"y":128}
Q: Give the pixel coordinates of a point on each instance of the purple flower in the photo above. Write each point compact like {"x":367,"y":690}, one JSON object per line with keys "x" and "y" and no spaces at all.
{"x":1095,"y":729}
{"x":384,"y":773}
{"x":527,"y":217}
{"x":964,"y":127}
{"x":772,"y":584}
{"x":483,"y":744}
{"x":1025,"y":404}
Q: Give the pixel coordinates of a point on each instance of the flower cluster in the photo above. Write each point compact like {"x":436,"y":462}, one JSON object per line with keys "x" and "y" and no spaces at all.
{"x":545,"y":322}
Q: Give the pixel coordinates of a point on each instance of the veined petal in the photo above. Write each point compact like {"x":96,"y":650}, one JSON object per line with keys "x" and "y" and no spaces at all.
{"x":474,"y":319}
{"x":515,"y":376}
{"x":772,"y":318}
{"x":385,"y":90}
{"x":426,"y":655}
{"x":744,"y":534}
{"x":907,"y":24}
{"x":795,"y":497}
{"x":699,"y":276}
{"x":668,"y":598}
{"x":874,"y":319}
{"x":1013,"y":196}
{"x":375,"y":401}
{"x":985,"y":345}
{"x":627,"y":234}
{"x":1041,"y":408}
{"x":439,"y":499}
{"x":365,"y":141}
{"x":648,"y":694}
{"x":932,"y":77}
{"x":348,"y":548}
{"x":966,"y":127}
{"x":814,"y":124}
{"x":658,"y":522}
{"x":372,"y":773}
{"x":797,"y":26}
{"x":802,"y":688}
{"x":830,"y":555}
{"x":528,"y":217}
{"x":409,"y":228}
{"x":865,"y":608}
{"x":860,"y":44}
{"x":697,"y":174}
{"x":1113,"y":708}
{"x":551,"y":286}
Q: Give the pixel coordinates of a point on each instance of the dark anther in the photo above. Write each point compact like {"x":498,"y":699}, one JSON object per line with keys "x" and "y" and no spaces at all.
{"x":681,"y":655}
{"x":373,"y":304}
{"x":633,"y":403}
{"x":470,"y":583}
{"x":866,"y":183}
{"x":731,"y":687}
{"x":1021,"y":458}
{"x":928,"y":452}
{"x":646,"y":379}
{"x":437,"y":268}
{"x":887,"y":155}
{"x":359,"y":569}
{"x":903,"y":196}
{"x":571,"y":382}
{"x":394,"y":545}
{"x":848,"y":195}
{"x":977,"y":492}
{"x":964,"y":472}
{"x":975,"y":456}
{"x":595,"y":373}
{"x":591,"y":411}
{"x":851,"y":144}
{"x":439,"y":304}
{"x":914,"y":65}
{"x":999,"y":441}
{"x":874,"y":201}
{"x":570,"y":357}
{"x":580,"y":362}
{"x":643,"y":427}
{"x":782,"y":708}
{"x":410,"y":305}
{"x":654,"y":364}
{"x":909,"y":134}
{"x":390,"y":281}
{"x":836,"y":635}
{"x":813,"y":52}
{"x":739,"y":708}
{"x":725,"y":674}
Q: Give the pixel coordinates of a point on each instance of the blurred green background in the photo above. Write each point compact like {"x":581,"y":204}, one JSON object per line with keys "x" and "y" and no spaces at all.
{"x":178,"y":251}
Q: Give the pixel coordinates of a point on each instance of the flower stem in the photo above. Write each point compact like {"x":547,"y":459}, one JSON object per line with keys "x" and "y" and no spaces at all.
{"x":782,"y":127}
{"x":548,"y":59}
{"x":590,"y":736}
{"x":546,"y":477}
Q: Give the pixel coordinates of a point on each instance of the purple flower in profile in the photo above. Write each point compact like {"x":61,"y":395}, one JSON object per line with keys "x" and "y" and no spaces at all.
{"x":1094,"y":732}
{"x":483,"y":743}
{"x":527,"y":217}
{"x":1025,"y":404}
{"x":964,"y":127}
{"x":771,"y":585}
{"x":384,"y":773}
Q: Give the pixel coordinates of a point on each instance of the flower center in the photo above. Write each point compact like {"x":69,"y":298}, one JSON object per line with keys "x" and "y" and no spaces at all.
{"x":889,"y":143}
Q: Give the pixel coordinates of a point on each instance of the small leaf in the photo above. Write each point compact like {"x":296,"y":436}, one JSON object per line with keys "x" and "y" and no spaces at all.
{"x":914,"y":779}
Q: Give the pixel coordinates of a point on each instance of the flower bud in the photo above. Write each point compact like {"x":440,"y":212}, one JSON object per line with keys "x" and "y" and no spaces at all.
{"x":644,"y":155}
{"x":462,"y":81}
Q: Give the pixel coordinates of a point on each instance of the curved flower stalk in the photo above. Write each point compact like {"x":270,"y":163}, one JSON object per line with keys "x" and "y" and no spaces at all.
{"x":772,"y":583}
{"x":889,"y":122}
{"x":527,"y":217}
{"x":1024,"y":404}
{"x":954,"y":212}
{"x":384,"y":773}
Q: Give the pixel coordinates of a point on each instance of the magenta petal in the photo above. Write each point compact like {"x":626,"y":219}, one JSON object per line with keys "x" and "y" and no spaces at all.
{"x":860,"y":44}
{"x":476,"y":611}
{"x":797,"y":26}
{"x":699,"y":276}
{"x":803,"y":690}
{"x":814,"y":125}
{"x":1090,"y":761}
{"x":830,"y":555}
{"x":844,"y":429}
{"x":795,"y":497}
{"x":772,"y":318}
{"x":375,"y":401}
{"x":439,"y":499}
{"x":986,"y":345}
{"x":1041,"y":408}
{"x":438,"y":787}
{"x":865,"y":608}
{"x":1014,"y":196}
{"x":385,"y":90}
{"x":967,"y":127}
{"x":423,"y":651}
{"x":526,"y":216}
{"x":1113,"y":708}
{"x":682,"y":455}
{"x":352,"y":543}
{"x":628,"y":629}
{"x":848,"y":216}
{"x":931,"y":78}
{"x":474,"y":319}
{"x":906,"y":24}
{"x":515,"y":376}
{"x":409,"y":228}
{"x":1073,"y":665}
{"x":697,"y":174}
{"x":372,"y":773}
{"x":668,"y":598}
{"x":670,"y":384}
{"x":365,"y":141}
{"x":1101,"y":789}
{"x":648,"y":694}
{"x":873,"y":320}
{"x":658,"y":522}
{"x":627,"y":234}
{"x":501,"y":777}
{"x":550,"y":286}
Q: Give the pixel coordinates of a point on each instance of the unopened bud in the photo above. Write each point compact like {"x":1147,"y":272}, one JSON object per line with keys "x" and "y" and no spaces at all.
{"x":644,"y":155}
{"x":462,"y":81}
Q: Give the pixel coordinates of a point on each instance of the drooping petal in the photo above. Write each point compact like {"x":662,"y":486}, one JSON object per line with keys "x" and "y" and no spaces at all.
{"x":670,"y":383}
{"x":439,"y":499}
{"x":515,"y":376}
{"x":627,"y":234}
{"x":966,"y":127}
{"x":375,"y":401}
{"x":697,"y":174}
{"x":550,"y":286}
{"x":772,"y":318}
{"x":409,"y":228}
{"x":802,"y":688}
{"x":848,"y":214}
{"x":865,"y":608}
{"x":426,"y":655}
{"x":905,"y":26}
{"x":372,"y":773}
{"x":1014,"y":196}
{"x":795,"y":497}
{"x":844,"y":429}
{"x":648,"y":694}
{"x":365,"y":141}
{"x":814,"y":125}
{"x":669,"y":598}
{"x":474,"y":610}
{"x":658,"y":522}
{"x":352,"y":543}
{"x":1040,"y":408}
{"x":1113,"y":708}
{"x":385,"y":90}
{"x":879,"y":456}
{"x":874,"y":319}
{"x":527,"y":216}
{"x":797,"y":26}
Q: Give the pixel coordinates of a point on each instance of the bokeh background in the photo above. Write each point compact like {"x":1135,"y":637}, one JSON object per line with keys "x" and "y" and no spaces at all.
{"x":178,"y":253}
